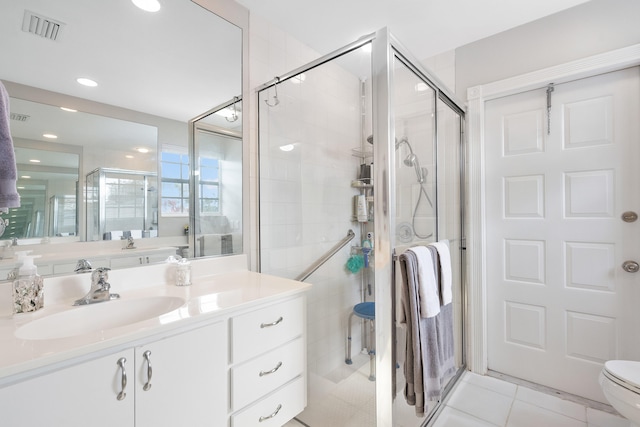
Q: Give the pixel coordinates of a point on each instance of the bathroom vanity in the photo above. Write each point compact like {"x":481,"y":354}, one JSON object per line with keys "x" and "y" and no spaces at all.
{"x":229,"y":350}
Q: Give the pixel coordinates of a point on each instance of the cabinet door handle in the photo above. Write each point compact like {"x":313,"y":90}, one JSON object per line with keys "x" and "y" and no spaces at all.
{"x":263,"y":373}
{"x":266,"y":325}
{"x":147,"y":357}
{"x":123,"y":380}
{"x":273,"y":414}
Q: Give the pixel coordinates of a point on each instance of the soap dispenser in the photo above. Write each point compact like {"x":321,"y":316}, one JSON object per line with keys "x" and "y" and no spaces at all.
{"x":28,"y":293}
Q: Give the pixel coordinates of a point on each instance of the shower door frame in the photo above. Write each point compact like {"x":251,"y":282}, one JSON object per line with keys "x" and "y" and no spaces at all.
{"x":385,"y":48}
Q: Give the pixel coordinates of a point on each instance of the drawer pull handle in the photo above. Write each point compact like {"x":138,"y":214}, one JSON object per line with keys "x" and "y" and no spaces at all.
{"x":266,"y":325}
{"x":261,"y":419}
{"x":123,"y":379}
{"x":263,"y":373}
{"x":147,"y":357}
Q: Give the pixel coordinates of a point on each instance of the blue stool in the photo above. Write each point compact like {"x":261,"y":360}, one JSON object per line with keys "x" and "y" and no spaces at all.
{"x":367,"y":312}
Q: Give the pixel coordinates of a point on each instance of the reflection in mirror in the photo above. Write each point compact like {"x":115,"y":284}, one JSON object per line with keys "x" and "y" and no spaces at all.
{"x":151,"y":72}
{"x":217,"y":182}
{"x":48,"y":171}
{"x":48,"y":188}
{"x":121,"y":204}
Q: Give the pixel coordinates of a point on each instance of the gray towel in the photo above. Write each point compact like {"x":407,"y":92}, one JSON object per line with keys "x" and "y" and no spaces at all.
{"x":9,"y":197}
{"x":429,"y":359}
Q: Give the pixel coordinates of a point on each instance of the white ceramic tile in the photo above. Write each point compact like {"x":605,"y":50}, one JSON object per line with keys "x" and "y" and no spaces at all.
{"x":361,"y":419}
{"x":481,"y":402}
{"x":450,"y":417}
{"x":526,"y":415}
{"x":331,"y":411}
{"x":597,"y":418}
{"x":490,"y":383}
{"x":356,"y":390}
{"x":552,"y":403}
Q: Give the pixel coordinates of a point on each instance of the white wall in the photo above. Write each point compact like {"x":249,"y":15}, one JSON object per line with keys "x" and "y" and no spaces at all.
{"x":588,"y":29}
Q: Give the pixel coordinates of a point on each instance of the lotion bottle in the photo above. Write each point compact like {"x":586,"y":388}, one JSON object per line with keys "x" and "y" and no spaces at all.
{"x":28,"y":293}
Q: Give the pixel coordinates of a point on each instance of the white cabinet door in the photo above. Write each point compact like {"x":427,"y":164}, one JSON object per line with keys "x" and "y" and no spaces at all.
{"x":188,"y":385}
{"x":79,"y":396}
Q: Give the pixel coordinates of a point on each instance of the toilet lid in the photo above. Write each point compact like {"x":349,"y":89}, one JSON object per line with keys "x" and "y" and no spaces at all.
{"x":625,"y":370}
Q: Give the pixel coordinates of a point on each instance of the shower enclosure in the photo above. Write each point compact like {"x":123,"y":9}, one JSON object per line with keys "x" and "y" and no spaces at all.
{"x":121,"y":203}
{"x":362,"y":139}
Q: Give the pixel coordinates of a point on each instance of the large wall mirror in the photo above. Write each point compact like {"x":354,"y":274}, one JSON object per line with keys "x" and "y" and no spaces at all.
{"x":102,"y":166}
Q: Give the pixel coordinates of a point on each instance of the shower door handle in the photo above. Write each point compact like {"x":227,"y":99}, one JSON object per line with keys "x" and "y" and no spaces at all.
{"x":630,"y":266}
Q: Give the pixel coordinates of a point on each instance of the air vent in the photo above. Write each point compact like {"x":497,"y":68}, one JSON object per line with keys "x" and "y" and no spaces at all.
{"x":41,"y":26}
{"x":19,"y":117}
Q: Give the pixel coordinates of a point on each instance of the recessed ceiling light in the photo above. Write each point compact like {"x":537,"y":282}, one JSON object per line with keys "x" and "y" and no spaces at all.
{"x":50,"y":135}
{"x":288,"y":147}
{"x":142,"y":150}
{"x":148,"y":5}
{"x":25,"y":176}
{"x":71,"y":110}
{"x":34,"y":161}
{"x":86,"y":82}
{"x":129,"y":156}
{"x":421,"y":87}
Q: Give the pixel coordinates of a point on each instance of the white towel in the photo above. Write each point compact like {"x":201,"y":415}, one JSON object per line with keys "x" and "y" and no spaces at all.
{"x":427,"y":285}
{"x":446,"y":276}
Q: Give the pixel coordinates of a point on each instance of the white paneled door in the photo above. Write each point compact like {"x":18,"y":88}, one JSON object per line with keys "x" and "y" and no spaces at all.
{"x":558,"y":182}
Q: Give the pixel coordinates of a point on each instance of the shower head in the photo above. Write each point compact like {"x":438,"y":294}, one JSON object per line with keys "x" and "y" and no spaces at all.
{"x":410,"y":160}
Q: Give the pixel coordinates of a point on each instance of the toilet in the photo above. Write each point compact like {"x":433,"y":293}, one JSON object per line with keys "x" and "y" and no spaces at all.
{"x":620,"y":382}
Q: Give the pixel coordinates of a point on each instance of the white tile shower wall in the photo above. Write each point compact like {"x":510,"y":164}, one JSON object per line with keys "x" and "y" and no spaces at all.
{"x":306,"y":199}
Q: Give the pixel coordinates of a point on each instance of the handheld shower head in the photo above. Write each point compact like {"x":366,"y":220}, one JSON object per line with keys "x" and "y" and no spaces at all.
{"x":410,"y":160}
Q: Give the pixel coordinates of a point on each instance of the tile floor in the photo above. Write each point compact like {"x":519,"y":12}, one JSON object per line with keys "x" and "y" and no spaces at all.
{"x":477,"y":401}
{"x":344,"y":398}
{"x":481,"y":401}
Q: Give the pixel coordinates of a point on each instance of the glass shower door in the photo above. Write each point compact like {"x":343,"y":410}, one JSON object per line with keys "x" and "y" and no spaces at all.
{"x":313,"y":140}
{"x":428,"y":182}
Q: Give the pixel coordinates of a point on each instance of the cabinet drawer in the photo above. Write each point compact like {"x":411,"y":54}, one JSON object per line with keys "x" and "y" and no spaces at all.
{"x":262,"y":330}
{"x":255,"y":378}
{"x":275,"y":409}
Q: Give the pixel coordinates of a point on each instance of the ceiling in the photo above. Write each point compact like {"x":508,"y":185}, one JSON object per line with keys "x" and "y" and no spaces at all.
{"x":424,"y":27}
{"x":176,"y":63}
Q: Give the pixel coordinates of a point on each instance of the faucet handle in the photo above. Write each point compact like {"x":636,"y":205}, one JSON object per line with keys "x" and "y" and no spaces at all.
{"x":100,"y":274}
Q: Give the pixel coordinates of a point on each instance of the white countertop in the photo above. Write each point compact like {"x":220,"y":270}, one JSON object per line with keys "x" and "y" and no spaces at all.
{"x":208,"y":297}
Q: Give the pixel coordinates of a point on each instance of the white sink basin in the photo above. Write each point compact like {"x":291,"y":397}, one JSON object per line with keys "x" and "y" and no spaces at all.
{"x":97,"y":317}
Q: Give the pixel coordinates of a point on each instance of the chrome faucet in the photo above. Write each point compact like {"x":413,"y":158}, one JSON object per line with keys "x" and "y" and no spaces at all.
{"x":83,"y":266}
{"x":99,"y":291}
{"x":130,"y":243}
